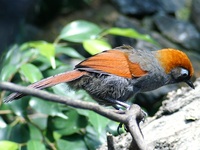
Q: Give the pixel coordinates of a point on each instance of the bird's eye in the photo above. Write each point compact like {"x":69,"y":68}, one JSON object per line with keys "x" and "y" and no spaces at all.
{"x":180,"y":74}
{"x":184,"y":73}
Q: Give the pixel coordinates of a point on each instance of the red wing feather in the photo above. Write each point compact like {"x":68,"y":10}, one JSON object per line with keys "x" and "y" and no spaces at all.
{"x":136,"y":70}
{"x":112,"y":62}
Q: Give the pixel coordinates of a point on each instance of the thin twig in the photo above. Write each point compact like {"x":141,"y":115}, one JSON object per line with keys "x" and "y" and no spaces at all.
{"x":4,"y":112}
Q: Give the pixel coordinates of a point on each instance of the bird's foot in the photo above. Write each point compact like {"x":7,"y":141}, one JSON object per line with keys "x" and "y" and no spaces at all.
{"x":142,"y":117}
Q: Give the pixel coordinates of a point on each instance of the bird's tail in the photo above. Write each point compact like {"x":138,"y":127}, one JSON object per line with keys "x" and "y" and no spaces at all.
{"x":50,"y":81}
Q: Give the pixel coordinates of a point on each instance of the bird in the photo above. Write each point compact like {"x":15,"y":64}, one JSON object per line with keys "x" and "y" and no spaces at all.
{"x":113,"y":76}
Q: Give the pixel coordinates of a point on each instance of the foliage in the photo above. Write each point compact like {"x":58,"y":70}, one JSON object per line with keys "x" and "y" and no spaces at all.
{"x":31,"y":123}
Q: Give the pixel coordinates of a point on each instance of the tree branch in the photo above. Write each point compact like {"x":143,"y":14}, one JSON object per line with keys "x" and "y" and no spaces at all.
{"x":138,"y":142}
{"x":130,"y":118}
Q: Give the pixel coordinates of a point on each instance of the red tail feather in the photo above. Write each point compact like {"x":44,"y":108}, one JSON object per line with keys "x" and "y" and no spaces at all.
{"x":50,"y":81}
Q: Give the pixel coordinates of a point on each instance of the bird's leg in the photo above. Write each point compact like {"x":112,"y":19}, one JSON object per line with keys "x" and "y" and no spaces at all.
{"x":119,"y":110}
{"x":144,"y":114}
{"x":117,"y":102}
{"x":127,"y":106}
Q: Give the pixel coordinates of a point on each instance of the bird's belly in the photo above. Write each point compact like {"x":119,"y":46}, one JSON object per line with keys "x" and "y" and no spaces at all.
{"x":107,"y":87}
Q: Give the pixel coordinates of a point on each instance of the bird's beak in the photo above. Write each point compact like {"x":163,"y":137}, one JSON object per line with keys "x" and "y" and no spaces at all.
{"x":189,"y":82}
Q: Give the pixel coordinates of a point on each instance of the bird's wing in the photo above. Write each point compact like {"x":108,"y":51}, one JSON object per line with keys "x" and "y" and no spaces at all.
{"x":112,"y":62}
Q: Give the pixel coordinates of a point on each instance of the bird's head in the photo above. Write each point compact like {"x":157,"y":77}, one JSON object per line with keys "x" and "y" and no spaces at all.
{"x":177,"y":65}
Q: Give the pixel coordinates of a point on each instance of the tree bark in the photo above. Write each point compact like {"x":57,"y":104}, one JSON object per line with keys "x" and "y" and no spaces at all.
{"x":176,"y":125}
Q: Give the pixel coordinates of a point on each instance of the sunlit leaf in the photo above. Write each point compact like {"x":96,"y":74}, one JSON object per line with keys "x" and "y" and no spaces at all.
{"x":12,"y":56}
{"x":35,"y":145}
{"x":78,"y":31}
{"x":2,"y":123}
{"x":7,"y":72}
{"x":46,"y":49}
{"x":31,"y":72}
{"x":95,"y":46}
{"x":5,"y":132}
{"x":76,"y":144}
{"x":8,"y":145}
{"x":127,"y":32}
{"x":56,"y":135}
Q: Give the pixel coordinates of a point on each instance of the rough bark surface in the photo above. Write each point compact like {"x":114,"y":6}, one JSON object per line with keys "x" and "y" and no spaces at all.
{"x":176,"y":126}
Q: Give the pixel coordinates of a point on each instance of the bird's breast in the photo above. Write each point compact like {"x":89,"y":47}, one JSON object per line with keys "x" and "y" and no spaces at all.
{"x":151,"y":81}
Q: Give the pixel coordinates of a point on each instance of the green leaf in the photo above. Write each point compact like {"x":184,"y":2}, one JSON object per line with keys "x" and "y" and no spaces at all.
{"x":78,"y":31}
{"x":98,"y":122}
{"x":44,"y":62}
{"x":31,"y":72}
{"x":35,"y":145}
{"x":20,"y":107}
{"x":45,"y":107}
{"x":112,"y":128}
{"x":12,"y":56}
{"x":8,"y":145}
{"x":22,"y":131}
{"x":72,"y":125}
{"x":2,"y":122}
{"x":69,"y":51}
{"x":7,"y":72}
{"x":62,"y":68}
{"x":35,"y":133}
{"x":5,"y":132}
{"x":40,"y":121}
{"x":127,"y":32}
{"x":91,"y":139}
{"x":83,"y":112}
{"x":56,"y":136}
{"x":45,"y":49}
{"x":77,"y":144}
{"x":95,"y":46}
